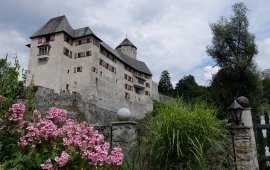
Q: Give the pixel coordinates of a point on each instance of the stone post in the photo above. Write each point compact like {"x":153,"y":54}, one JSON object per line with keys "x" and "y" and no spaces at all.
{"x":241,"y":148}
{"x":243,"y":144}
{"x":124,"y":134}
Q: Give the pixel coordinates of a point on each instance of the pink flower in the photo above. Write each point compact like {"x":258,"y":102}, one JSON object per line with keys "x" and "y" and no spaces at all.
{"x":116,"y":156}
{"x":36,"y":116}
{"x":58,"y":114}
{"x":17,"y":111}
{"x":47,"y":165}
{"x":63,"y":159}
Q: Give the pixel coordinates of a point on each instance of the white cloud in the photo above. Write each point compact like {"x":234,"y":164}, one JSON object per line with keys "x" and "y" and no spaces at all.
{"x":209,"y":72}
{"x":12,"y":43}
{"x":263,"y":58}
{"x":170,"y":35}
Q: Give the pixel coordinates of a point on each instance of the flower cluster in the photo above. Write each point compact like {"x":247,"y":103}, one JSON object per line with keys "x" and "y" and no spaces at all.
{"x":63,"y":159}
{"x":75,"y":138}
{"x":17,"y":111}
{"x":58,"y":114}
{"x":116,"y":156}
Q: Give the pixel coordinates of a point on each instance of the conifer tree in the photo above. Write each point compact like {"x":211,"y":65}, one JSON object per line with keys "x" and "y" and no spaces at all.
{"x":165,"y":85}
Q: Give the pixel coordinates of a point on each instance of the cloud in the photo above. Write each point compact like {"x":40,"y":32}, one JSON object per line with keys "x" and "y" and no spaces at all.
{"x":170,"y":35}
{"x":209,"y":72}
{"x":12,"y":43}
{"x":263,"y":59}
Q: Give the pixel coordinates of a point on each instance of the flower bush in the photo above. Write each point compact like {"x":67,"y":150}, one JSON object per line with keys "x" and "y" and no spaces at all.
{"x":53,"y":141}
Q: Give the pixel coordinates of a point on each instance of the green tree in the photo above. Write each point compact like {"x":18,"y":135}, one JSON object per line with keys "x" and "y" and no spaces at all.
{"x":233,"y":48}
{"x":189,"y":90}
{"x":9,"y":80}
{"x":165,"y":85}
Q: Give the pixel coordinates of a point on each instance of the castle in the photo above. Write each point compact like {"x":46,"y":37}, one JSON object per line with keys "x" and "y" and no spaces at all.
{"x":78,"y":61}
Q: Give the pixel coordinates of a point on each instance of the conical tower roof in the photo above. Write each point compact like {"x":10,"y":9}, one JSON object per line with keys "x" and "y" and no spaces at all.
{"x":126,"y":42}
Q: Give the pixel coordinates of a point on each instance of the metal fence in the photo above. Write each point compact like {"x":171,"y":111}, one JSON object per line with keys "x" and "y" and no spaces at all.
{"x":263,"y":141}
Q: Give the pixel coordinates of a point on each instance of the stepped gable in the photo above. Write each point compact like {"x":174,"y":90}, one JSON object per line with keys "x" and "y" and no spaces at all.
{"x":126,"y":42}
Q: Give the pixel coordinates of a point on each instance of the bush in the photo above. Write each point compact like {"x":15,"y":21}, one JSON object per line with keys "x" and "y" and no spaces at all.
{"x":185,"y":136}
{"x":51,"y":141}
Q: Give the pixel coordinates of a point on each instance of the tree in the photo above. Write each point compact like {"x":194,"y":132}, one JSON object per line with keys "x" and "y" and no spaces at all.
{"x":165,"y":85}
{"x":233,"y":48}
{"x":189,"y":90}
{"x":232,"y":45}
{"x":9,"y":80}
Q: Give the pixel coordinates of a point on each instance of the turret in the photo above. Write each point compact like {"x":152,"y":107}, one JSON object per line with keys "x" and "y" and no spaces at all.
{"x":126,"y":47}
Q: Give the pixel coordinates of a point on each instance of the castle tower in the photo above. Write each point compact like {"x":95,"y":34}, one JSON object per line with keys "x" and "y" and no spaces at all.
{"x":126,"y":47}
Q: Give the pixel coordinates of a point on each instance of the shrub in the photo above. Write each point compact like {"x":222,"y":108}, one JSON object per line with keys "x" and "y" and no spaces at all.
{"x":52,"y":141}
{"x":183,"y":136}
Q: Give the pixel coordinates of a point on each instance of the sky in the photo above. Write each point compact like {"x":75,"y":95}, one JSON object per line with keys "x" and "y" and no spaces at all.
{"x":169,"y":35}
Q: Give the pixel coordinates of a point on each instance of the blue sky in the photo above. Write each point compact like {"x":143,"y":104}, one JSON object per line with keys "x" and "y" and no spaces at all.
{"x":169,"y":34}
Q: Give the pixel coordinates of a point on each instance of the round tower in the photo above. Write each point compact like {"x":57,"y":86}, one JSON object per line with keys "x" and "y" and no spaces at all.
{"x":127,"y":48}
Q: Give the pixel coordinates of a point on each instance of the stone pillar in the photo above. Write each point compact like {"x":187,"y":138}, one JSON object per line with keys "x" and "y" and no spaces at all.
{"x":247,"y":120}
{"x":124,"y":134}
{"x":241,"y":148}
{"x":243,"y":144}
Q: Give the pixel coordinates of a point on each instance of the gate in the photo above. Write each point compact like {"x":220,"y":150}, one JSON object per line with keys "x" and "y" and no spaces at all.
{"x":263,"y":141}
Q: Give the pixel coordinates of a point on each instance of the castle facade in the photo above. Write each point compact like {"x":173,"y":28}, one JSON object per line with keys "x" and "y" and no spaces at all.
{"x":77,"y":61}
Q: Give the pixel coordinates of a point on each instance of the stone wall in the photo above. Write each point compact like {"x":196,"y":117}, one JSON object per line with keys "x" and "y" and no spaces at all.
{"x":74,"y":104}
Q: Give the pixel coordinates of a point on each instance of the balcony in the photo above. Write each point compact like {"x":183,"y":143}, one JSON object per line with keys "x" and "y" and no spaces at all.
{"x":139,"y":83}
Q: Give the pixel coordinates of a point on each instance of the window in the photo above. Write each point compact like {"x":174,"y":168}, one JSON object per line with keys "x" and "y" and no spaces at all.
{"x":95,"y":42}
{"x":147,"y":85}
{"x":94,"y":69}
{"x":67,"y":39}
{"x":66,"y":51}
{"x":42,"y":60}
{"x":68,"y":71}
{"x":88,"y":53}
{"x":39,"y":40}
{"x":75,"y":83}
{"x":147,"y":93}
{"x":67,"y":87}
{"x":101,"y":73}
{"x":43,"y":50}
{"x":82,"y":54}
{"x":89,"y":40}
{"x":125,"y":76}
{"x":127,"y":95}
{"x":52,"y":37}
{"x":77,"y":69}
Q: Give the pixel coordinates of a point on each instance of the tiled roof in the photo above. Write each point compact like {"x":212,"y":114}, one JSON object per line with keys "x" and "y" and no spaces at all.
{"x":136,"y":64}
{"x":60,"y":24}
{"x":126,"y":42}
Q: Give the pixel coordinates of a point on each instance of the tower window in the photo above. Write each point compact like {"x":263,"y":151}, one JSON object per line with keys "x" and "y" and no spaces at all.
{"x":39,"y":40}
{"x":43,"y":50}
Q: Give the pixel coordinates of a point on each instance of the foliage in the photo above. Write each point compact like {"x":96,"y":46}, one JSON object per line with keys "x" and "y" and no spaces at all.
{"x":165,"y":85}
{"x":183,"y":136}
{"x":232,"y":45}
{"x":228,"y":84}
{"x":9,"y":83}
{"x":34,"y":141}
{"x":190,"y":91}
{"x":233,"y":48}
